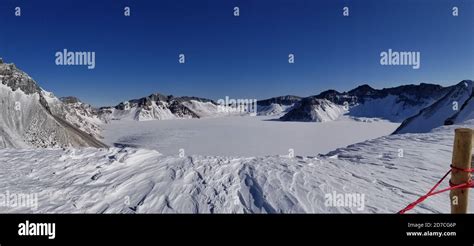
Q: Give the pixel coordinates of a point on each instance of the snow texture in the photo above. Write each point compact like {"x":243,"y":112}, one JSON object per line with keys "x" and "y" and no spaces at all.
{"x":127,"y":180}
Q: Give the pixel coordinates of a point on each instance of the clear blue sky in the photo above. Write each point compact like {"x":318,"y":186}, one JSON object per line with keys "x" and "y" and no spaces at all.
{"x":240,"y":57}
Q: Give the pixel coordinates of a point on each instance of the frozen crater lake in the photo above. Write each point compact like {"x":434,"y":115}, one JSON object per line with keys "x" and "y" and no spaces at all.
{"x":243,"y":135}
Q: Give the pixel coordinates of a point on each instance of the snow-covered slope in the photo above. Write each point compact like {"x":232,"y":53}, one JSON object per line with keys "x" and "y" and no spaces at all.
{"x":28,"y":119}
{"x":81,"y":115}
{"x":389,"y":107}
{"x":314,"y":109}
{"x":144,"y":181}
{"x":466,"y":112}
{"x":394,"y":104}
{"x":276,"y":105}
{"x":274,"y":109}
{"x":161,"y":107}
{"x":455,"y":106}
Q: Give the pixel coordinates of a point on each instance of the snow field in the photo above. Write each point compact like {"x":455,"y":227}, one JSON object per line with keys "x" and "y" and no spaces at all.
{"x":144,"y":181}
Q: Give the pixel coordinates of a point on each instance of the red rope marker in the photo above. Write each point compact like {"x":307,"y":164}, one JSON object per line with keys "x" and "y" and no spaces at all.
{"x":469,"y":170}
{"x":432,"y":192}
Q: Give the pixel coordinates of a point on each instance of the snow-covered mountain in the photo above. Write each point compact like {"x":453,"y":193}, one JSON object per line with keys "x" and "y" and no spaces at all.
{"x":161,"y":107}
{"x":465,"y":113}
{"x":79,"y":114}
{"x":277,"y":105}
{"x":314,"y":109}
{"x":454,"y":107}
{"x":32,"y":117}
{"x":393,"y":104}
{"x":136,"y":180}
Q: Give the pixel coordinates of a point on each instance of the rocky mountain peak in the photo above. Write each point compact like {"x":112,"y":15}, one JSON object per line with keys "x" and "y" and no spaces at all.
{"x":282,"y":100}
{"x":16,"y":79}
{"x":362,"y":90}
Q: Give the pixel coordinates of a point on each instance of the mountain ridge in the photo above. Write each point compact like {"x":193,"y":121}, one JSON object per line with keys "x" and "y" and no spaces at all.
{"x":51,"y":121}
{"x":29,"y":118}
{"x":442,"y":112}
{"x":393,"y":104}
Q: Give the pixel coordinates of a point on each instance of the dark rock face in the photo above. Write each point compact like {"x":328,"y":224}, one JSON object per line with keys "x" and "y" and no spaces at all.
{"x":283,"y":100}
{"x":338,"y":97}
{"x":157,"y":98}
{"x":313,"y":109}
{"x":178,"y":109}
{"x":17,"y":79}
{"x":301,"y":111}
{"x":69,"y":100}
{"x":410,"y":94}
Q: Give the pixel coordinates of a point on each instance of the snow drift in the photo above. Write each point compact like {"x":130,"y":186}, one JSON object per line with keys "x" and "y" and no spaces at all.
{"x":124,"y":180}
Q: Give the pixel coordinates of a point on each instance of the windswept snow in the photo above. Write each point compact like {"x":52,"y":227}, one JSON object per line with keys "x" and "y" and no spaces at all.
{"x":144,"y":181}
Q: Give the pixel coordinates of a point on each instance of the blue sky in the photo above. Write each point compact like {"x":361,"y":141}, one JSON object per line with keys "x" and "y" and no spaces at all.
{"x":239,"y":57}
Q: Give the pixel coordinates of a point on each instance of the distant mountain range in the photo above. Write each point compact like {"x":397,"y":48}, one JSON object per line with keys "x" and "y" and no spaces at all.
{"x":394,"y":104}
{"x":419,"y":108}
{"x":31,"y":116}
{"x":161,"y":107}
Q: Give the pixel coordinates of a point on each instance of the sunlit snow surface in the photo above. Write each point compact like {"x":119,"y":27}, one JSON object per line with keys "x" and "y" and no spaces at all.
{"x":144,"y":181}
{"x":243,"y":135}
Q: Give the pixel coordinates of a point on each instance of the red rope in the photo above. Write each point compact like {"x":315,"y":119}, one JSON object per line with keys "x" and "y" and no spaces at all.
{"x":469,"y":170}
{"x":432,"y":191}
